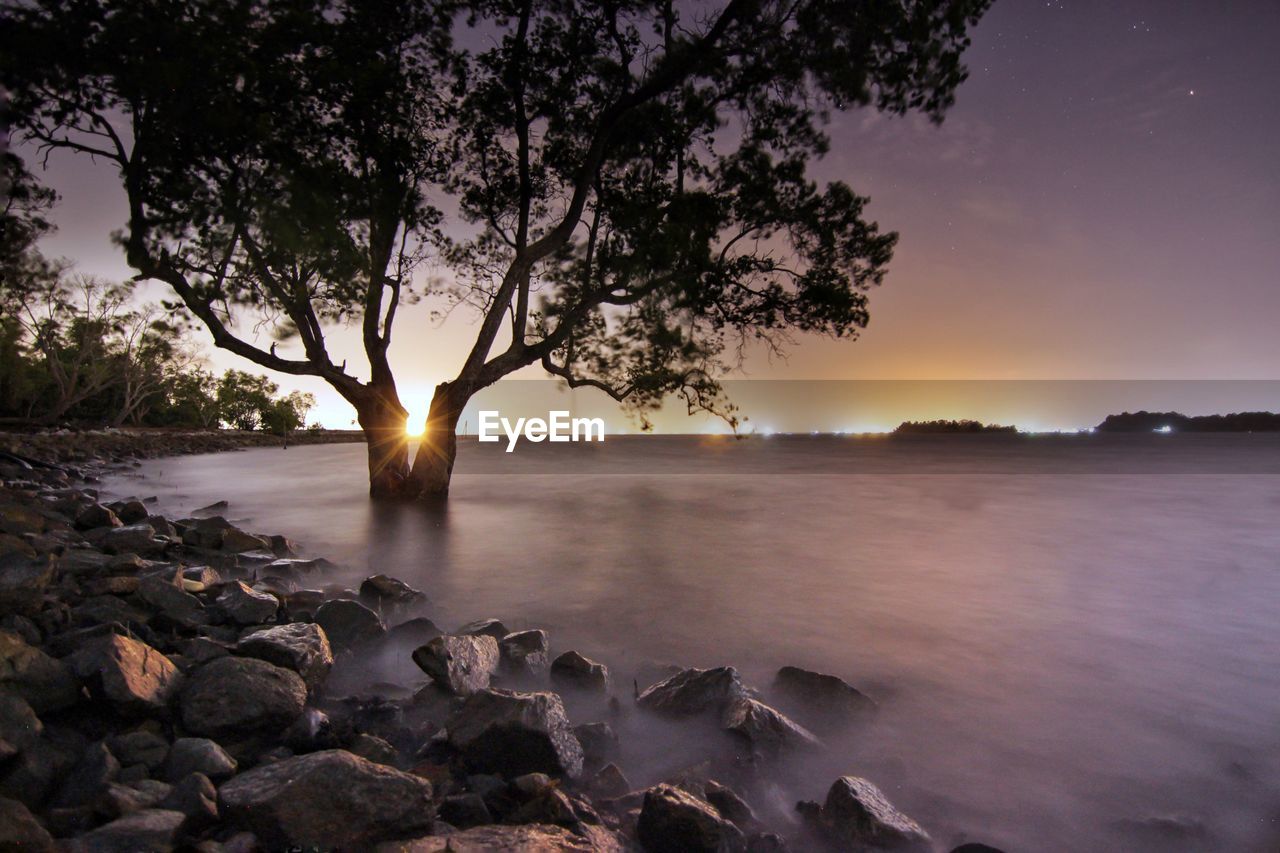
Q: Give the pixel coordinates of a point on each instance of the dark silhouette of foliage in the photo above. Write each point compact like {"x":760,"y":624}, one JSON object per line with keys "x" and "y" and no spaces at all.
{"x":626,"y":182}
{"x":1144,"y":421}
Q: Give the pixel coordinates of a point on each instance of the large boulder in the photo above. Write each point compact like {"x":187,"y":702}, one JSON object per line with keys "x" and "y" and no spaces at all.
{"x":23,"y":581}
{"x":693,"y":691}
{"x":349,"y":623}
{"x":328,"y":800}
{"x":19,"y":725}
{"x":137,"y":539}
{"x":299,"y":646}
{"x":525,"y":652}
{"x":237,"y":541}
{"x":461,"y":665}
{"x":194,"y":796}
{"x":674,"y":821}
{"x":572,"y":670}
{"x":857,"y":815}
{"x":167,"y":597}
{"x":500,"y":731}
{"x":235,"y":696}
{"x":823,"y":701}
{"x":20,"y":831}
{"x":44,"y":682}
{"x":132,"y":676}
{"x":245,"y":605}
{"x":97,"y":515}
{"x":484,"y":627}
{"x":146,"y":831}
{"x":764,"y":729}
{"x":383,"y":593}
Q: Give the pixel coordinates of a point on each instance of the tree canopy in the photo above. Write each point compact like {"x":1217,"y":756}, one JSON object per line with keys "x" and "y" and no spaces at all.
{"x":620,"y":190}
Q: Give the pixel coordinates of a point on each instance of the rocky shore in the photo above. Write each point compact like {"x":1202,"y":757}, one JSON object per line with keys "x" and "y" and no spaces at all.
{"x":99,"y":446}
{"x":164,"y":684}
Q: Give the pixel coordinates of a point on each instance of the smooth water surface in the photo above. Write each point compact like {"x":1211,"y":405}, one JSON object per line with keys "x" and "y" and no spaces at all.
{"x":1075,"y":640}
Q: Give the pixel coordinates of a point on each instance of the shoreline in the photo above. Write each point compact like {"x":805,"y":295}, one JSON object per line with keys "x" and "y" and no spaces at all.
{"x":168,"y":676}
{"x":101,"y":446}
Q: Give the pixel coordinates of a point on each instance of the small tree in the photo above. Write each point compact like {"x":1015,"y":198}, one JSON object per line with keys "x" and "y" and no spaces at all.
{"x":288,"y":413}
{"x":632,"y":176}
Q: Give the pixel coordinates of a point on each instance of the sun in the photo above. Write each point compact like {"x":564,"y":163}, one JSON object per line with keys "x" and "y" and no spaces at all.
{"x":415,"y":427}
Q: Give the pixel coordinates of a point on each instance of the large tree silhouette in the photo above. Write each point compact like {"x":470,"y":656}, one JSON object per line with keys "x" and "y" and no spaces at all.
{"x":625,"y":182}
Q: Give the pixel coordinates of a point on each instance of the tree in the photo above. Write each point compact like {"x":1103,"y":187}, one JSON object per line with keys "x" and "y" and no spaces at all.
{"x":288,"y":413}
{"x":243,"y":397}
{"x":630,"y":177}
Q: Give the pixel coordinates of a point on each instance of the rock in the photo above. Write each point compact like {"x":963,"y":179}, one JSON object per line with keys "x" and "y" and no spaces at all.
{"x":610,"y":782}
{"x":572,"y":670}
{"x":382,"y":592}
{"x":238,"y":695}
{"x":693,"y":691}
{"x":976,"y":847}
{"x":731,"y":806}
{"x":31,"y":775}
{"x":133,"y":539}
{"x":299,"y":646}
{"x":499,"y":731}
{"x":215,"y":508}
{"x":460,"y":665}
{"x":198,"y":755}
{"x":19,"y":725}
{"x":765,"y":730}
{"x":856,"y":814}
{"x":823,"y":700}
{"x":20,"y":831}
{"x":23,"y":581}
{"x":349,"y":623}
{"x":195,"y":797}
{"x":329,"y":799}
{"x":41,"y":680}
{"x":414,"y":632}
{"x":97,"y":515}
{"x":525,"y":652}
{"x":599,"y":742}
{"x":83,"y":561}
{"x":131,"y":512}
{"x":464,"y":811}
{"x":530,"y":838}
{"x":10,"y":544}
{"x":108,"y":609}
{"x":204,"y":532}
{"x":132,"y":676}
{"x":141,"y":832}
{"x":236,"y":541}
{"x":484,"y":627}
{"x":140,"y":747}
{"x":373,"y":748}
{"x":674,"y":821}
{"x":245,"y":605}
{"x":88,"y":780}
{"x":168,"y":598}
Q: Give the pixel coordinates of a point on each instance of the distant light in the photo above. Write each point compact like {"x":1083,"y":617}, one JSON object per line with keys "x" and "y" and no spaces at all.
{"x":1165,"y":428}
{"x":415,"y":428}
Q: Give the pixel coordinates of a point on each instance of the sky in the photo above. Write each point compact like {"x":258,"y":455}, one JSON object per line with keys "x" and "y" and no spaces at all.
{"x":1103,"y":202}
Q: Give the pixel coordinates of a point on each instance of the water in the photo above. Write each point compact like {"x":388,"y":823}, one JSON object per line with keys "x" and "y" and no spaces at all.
{"x":1068,"y":635}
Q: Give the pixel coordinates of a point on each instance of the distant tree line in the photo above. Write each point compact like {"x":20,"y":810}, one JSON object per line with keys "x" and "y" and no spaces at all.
{"x":950,"y":427}
{"x":78,"y":349}
{"x":1178,"y":422}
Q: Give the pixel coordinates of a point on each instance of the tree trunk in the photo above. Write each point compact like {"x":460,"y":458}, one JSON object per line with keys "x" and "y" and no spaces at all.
{"x":383,"y":420}
{"x":433,"y":463}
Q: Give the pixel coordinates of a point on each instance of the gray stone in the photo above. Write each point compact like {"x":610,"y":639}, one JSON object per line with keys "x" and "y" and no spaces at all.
{"x":383,"y":592}
{"x":525,"y":652}
{"x":19,"y":725}
{"x":198,"y":755}
{"x":299,"y":646}
{"x":237,"y":541}
{"x":766,"y":730}
{"x":147,"y":831}
{"x":131,"y":512}
{"x":88,"y":780}
{"x":693,"y":691}
{"x":373,"y":748}
{"x":572,"y":670}
{"x":329,"y":799}
{"x":610,"y":782}
{"x":83,"y":561}
{"x":349,"y":623}
{"x":674,"y":821}
{"x":484,"y":627}
{"x":97,"y":515}
{"x":500,"y":731}
{"x":133,"y":539}
{"x":31,"y":775}
{"x":23,"y":581}
{"x":132,"y":676}
{"x":241,"y":695}
{"x":170,"y":601}
{"x":195,"y":797}
{"x":461,"y":665}
{"x":42,"y":681}
{"x":140,"y":747}
{"x":857,"y":814}
{"x":599,"y":742}
{"x":20,"y":831}
{"x":529,"y":838}
{"x":245,"y":605}
{"x":823,"y":701}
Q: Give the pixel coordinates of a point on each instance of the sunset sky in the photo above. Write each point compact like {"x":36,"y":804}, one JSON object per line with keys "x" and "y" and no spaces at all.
{"x":1103,"y":202}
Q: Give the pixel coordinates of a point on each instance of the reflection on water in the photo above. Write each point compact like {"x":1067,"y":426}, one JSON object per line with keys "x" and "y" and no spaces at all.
{"x":1066,"y":634}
